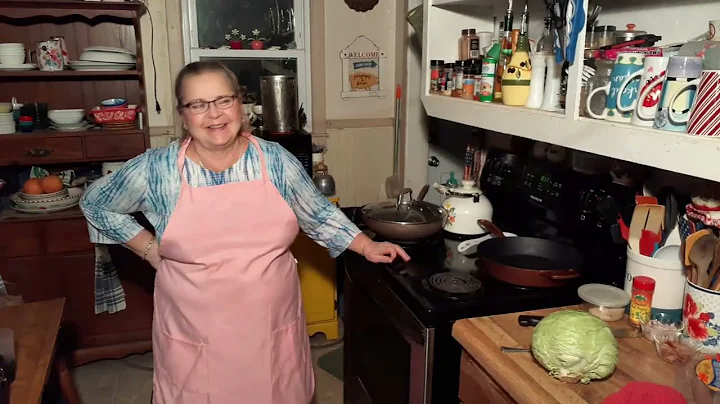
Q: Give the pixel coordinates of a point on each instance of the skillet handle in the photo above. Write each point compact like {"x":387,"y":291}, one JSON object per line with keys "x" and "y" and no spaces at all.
{"x":528,"y":321}
{"x":562,"y":277}
{"x":491,"y":228}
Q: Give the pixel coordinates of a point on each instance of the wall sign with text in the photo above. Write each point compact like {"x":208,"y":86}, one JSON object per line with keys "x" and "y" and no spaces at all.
{"x":361,"y":66}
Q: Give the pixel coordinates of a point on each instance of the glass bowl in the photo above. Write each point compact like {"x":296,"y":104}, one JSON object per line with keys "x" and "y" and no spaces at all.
{"x":675,"y":350}
{"x":658,"y":327}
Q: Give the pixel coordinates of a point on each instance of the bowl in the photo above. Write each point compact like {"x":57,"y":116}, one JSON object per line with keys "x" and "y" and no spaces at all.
{"x":66,"y":116}
{"x":603,"y":301}
{"x":106,"y":57}
{"x":6,"y":107}
{"x":675,"y":350}
{"x":7,"y":128}
{"x":7,"y":117}
{"x":657,"y":327}
{"x":112,"y":102}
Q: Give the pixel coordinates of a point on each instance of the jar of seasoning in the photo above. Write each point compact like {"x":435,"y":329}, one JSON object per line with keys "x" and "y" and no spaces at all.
{"x":468,"y":88}
{"x":458,"y":78}
{"x":469,"y":45}
{"x":643,"y":288}
{"x":449,"y":84}
{"x":437,"y":75}
{"x":477,"y":72}
{"x":487,"y":79}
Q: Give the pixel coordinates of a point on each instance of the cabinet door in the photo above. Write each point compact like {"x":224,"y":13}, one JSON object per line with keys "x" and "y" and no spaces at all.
{"x":317,"y":279}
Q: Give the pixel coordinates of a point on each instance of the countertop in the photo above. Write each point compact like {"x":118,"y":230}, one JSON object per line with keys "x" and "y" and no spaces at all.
{"x":526,"y":381}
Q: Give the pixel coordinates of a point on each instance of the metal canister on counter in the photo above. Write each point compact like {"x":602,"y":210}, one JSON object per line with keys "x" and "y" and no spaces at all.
{"x":449,"y":84}
{"x":487,"y":79}
{"x":437,"y":70}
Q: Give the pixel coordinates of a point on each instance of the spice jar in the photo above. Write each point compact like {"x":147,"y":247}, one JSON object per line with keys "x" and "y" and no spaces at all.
{"x":641,"y":296}
{"x":477,"y":73}
{"x":469,"y":45}
{"x":458,"y":78}
{"x":468,"y":88}
{"x":449,"y":84}
{"x":437,"y":76}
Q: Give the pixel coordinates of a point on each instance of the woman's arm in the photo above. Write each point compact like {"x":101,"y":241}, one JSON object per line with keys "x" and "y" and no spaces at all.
{"x":108,"y":203}
{"x":324,"y":222}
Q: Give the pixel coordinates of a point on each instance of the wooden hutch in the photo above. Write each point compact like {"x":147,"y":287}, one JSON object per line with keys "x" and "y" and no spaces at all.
{"x":44,"y":256}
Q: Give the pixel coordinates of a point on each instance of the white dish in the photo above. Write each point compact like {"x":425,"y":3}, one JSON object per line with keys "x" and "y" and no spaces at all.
{"x":66,"y":116}
{"x":95,"y":66}
{"x":106,"y":57}
{"x":11,"y":45}
{"x":46,"y":210}
{"x":108,"y":49}
{"x":72,"y":199}
{"x":18,"y":68}
{"x":55,"y":195}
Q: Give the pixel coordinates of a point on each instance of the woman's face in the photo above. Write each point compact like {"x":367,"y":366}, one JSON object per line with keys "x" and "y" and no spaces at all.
{"x":220,"y":124}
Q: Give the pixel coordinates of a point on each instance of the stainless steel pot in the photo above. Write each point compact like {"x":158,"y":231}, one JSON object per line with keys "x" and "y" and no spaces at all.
{"x":405,"y":219}
{"x":279,"y":95}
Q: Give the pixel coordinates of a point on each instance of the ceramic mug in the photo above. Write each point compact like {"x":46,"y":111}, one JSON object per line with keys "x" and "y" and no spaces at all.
{"x":645,"y":106}
{"x":681,"y":69}
{"x":704,"y":116}
{"x":49,"y":55}
{"x":713,"y":33}
{"x":625,"y":66}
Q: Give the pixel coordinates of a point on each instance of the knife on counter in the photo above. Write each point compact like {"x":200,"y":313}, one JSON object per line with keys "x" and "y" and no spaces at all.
{"x":532,"y":321}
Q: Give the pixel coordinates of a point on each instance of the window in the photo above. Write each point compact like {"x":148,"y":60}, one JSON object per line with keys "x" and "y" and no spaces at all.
{"x":283,"y":25}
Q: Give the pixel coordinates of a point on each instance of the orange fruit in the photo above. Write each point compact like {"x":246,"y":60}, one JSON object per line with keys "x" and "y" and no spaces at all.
{"x":51,"y":183}
{"x":32,"y":186}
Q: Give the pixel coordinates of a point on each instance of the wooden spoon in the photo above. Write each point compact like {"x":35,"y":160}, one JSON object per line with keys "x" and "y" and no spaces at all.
{"x":714,"y":280}
{"x":701,"y":255}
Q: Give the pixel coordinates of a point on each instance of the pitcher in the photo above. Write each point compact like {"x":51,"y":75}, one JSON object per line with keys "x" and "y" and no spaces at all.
{"x":48,"y":55}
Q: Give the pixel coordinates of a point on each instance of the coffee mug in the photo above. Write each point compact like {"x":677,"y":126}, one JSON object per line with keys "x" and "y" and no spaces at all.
{"x":645,"y":106}
{"x":704,"y":116}
{"x":625,"y":66}
{"x":681,"y":70}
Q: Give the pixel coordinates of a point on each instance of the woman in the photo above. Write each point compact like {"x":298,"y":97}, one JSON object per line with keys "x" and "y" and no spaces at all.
{"x":228,"y":319}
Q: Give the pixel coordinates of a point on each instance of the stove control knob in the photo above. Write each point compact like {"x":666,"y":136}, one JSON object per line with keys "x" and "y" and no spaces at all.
{"x":433,"y":161}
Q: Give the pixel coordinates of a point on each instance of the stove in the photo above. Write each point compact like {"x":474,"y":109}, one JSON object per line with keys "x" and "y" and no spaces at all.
{"x":398,"y":317}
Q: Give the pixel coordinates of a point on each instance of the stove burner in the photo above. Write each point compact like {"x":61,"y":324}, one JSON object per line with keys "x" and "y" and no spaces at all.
{"x":454,"y":283}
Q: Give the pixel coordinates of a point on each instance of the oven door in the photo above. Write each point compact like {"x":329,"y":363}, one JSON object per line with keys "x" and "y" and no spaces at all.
{"x":388,"y":353}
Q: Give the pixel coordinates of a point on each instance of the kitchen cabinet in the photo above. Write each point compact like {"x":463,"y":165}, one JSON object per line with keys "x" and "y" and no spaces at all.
{"x":318,"y":283}
{"x":674,"y":21}
{"x":487,"y":375}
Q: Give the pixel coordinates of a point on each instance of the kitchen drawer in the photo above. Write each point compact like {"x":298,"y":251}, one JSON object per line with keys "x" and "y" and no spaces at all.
{"x":67,"y":236}
{"x":28,"y":150}
{"x":41,"y":238}
{"x":109,"y":146}
{"x":477,"y":386}
{"x":21,"y":240}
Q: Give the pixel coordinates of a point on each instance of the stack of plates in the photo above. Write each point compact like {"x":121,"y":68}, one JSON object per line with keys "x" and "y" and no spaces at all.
{"x":7,"y":123}
{"x":120,"y":126}
{"x":55,"y":202}
{"x":104,"y":58}
{"x":12,"y":57}
{"x":72,"y":127}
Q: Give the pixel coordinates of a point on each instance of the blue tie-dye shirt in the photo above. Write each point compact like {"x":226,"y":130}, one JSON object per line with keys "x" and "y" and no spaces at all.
{"x":150,"y":183}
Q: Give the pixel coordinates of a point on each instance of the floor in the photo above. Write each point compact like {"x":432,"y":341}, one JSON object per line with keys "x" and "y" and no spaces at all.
{"x":129,"y":380}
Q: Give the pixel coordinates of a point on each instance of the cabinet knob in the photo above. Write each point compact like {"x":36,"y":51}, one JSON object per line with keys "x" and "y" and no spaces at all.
{"x":38,"y":152}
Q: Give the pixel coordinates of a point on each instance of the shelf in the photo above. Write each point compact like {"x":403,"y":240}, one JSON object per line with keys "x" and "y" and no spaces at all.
{"x":73,"y":74}
{"x":672,"y":151}
{"x":11,"y":215}
{"x":73,"y":5}
{"x":55,"y":133}
{"x":199,"y":53}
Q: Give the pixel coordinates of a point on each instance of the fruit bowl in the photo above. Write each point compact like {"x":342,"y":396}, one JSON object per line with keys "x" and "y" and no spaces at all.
{"x":122,"y":114}
{"x":42,"y":197}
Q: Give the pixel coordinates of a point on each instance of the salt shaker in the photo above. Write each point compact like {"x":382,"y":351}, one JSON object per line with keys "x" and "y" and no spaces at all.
{"x":537,"y":81}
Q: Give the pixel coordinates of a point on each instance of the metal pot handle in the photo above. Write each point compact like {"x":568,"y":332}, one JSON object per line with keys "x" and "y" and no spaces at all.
{"x":405,"y":198}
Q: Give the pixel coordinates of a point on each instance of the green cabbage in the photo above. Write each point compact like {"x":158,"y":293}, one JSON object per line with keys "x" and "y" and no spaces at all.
{"x":575,"y":345}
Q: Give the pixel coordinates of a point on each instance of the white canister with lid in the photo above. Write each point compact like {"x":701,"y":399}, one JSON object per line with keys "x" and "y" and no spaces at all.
{"x":669,"y":276}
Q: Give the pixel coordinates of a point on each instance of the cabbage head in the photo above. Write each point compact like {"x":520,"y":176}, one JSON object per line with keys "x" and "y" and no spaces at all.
{"x":575,"y":346}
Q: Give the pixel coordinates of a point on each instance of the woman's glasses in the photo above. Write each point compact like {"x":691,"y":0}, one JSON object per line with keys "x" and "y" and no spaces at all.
{"x":201,"y":107}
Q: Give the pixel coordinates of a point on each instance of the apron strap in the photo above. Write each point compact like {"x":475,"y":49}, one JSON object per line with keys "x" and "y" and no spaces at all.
{"x":181,"y":159}
{"x":248,"y":136}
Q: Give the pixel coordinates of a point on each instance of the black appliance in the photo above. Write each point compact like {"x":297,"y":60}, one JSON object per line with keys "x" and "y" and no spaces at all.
{"x":399,"y":317}
{"x":298,"y":144}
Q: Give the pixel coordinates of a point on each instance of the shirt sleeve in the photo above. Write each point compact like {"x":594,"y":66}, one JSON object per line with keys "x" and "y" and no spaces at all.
{"x":321,"y":220}
{"x":109,"y":201}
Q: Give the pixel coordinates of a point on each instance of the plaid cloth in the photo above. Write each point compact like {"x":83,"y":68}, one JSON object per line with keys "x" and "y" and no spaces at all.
{"x":109,"y":294}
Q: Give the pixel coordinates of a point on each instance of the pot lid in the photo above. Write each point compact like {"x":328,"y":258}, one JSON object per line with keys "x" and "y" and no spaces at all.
{"x":466,"y":188}
{"x":405,"y":211}
{"x":603,"y":295}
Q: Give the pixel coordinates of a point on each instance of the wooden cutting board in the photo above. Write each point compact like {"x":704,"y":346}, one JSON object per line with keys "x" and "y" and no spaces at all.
{"x":527,"y":382}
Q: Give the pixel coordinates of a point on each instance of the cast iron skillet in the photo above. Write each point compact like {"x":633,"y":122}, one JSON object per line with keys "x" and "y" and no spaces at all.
{"x":528,"y":261}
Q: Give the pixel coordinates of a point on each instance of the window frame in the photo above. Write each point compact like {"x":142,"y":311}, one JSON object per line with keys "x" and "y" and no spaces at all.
{"x":193,"y":53}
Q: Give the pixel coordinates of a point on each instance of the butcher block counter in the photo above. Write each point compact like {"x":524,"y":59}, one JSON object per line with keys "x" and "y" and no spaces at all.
{"x":488,"y":375}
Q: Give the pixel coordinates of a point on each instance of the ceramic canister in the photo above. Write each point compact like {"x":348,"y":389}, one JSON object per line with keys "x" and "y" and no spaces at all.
{"x":701,"y":316}
{"x":651,"y":82}
{"x":625,"y":65}
{"x":681,"y":69}
{"x":50,"y":55}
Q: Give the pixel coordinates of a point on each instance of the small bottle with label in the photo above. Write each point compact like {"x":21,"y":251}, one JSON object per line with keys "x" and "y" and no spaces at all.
{"x":437,"y":71}
{"x":487,"y":79}
{"x":449,"y":84}
{"x":643,"y":288}
{"x":469,"y":45}
{"x":459,"y":78}
{"x":468,"y":89}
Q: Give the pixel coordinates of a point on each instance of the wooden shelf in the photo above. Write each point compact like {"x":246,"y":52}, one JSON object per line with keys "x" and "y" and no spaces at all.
{"x":10,"y":214}
{"x":73,"y":74}
{"x":73,"y":5}
{"x":55,"y":133}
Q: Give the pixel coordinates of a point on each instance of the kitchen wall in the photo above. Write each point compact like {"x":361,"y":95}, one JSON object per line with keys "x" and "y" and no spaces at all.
{"x":357,"y":132}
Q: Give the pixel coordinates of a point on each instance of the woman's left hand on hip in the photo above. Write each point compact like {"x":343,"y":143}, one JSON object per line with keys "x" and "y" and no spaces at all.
{"x":383,"y":252}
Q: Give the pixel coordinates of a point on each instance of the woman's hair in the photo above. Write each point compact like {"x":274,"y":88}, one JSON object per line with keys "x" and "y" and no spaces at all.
{"x":203,"y":67}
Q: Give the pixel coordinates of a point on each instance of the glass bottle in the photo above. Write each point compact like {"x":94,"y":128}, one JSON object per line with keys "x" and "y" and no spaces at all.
{"x":449,"y":84}
{"x":437,"y":76}
{"x":469,"y":45}
{"x":468,"y":88}
{"x":546,"y":44}
{"x":505,"y":52}
{"x":516,"y":77}
{"x":458,"y":78}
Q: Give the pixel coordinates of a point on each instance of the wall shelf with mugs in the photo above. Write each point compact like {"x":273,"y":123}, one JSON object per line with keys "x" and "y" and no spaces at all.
{"x":568,"y":127}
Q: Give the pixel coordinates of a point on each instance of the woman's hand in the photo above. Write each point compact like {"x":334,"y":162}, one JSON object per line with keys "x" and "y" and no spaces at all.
{"x":153,"y":257}
{"x":383,"y":252}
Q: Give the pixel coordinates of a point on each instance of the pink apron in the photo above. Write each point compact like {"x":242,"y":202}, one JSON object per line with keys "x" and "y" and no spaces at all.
{"x":229,"y":326}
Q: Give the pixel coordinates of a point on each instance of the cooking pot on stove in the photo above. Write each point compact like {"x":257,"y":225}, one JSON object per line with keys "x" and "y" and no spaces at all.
{"x":404,"y":219}
{"x":465,"y":206}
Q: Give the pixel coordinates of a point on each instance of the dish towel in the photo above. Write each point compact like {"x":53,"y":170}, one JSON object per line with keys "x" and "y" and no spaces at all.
{"x":109,"y":293}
